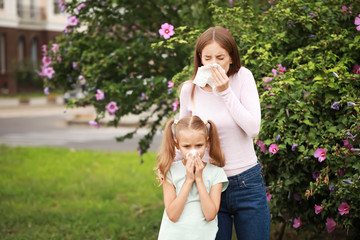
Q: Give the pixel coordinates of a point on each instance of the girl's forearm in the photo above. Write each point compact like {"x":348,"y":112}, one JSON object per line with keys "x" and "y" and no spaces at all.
{"x":176,"y":207}
{"x":208,"y":206}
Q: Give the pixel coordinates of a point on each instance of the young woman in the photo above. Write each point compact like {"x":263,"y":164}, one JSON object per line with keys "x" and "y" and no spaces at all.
{"x":233,"y":105}
{"x":192,"y":188}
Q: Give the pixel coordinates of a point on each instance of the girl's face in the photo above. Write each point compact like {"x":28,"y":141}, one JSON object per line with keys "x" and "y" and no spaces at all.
{"x":189,"y":139}
{"x":214,"y":53}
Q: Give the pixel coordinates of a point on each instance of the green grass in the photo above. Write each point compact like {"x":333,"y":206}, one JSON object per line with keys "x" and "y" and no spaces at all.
{"x":52,"y":193}
{"x":49,"y":193}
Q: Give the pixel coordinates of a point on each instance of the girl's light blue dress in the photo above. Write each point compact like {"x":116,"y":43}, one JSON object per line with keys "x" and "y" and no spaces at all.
{"x":191,"y":224}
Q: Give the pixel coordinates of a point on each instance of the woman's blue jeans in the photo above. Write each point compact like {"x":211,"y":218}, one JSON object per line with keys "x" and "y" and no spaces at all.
{"x":244,"y":204}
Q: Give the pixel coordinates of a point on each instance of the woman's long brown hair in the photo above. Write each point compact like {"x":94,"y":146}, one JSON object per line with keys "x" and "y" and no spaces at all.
{"x":221,"y":36}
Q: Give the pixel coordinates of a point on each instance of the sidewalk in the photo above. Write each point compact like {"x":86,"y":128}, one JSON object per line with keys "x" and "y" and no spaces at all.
{"x":40,"y":106}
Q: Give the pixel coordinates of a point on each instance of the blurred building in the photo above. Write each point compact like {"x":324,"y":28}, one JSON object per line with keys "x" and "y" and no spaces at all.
{"x":25,"y":25}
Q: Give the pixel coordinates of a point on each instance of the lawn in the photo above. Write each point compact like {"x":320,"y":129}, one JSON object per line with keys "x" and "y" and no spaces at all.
{"x":54,"y":193}
{"x":49,"y":193}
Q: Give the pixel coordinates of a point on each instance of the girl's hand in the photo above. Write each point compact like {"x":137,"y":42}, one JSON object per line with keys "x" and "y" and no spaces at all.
{"x":190,"y":169}
{"x":220,"y":78}
{"x":199,"y":167}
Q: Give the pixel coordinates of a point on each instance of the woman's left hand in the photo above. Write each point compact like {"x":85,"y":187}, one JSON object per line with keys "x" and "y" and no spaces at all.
{"x":220,"y":78}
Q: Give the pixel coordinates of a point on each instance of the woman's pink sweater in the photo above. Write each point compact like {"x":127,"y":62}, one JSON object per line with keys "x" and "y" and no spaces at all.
{"x":236,"y":113}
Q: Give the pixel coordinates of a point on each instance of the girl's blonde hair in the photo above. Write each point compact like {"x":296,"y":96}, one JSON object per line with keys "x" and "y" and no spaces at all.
{"x":166,"y":154}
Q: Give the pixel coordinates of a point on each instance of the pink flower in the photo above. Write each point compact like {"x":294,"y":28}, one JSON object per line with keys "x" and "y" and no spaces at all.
{"x":262,"y":146}
{"x":166,"y":30}
{"x":46,"y":91}
{"x":46,"y":61}
{"x":49,"y":72}
{"x":112,"y":108}
{"x":274,"y":71}
{"x":143,"y":96}
{"x":55,"y":48}
{"x":170,"y":84}
{"x":94,"y":123}
{"x":281,"y":68}
{"x":59,"y":58}
{"x":42,"y":73}
{"x":99,"y":95}
{"x":271,"y":94}
{"x":297,"y":222}
{"x":330,"y":225}
{"x":344,"y":208}
{"x":61,"y":3}
{"x":73,"y":21}
{"x":44,"y":49}
{"x":268,"y":88}
{"x":82,"y":5}
{"x":268,"y":196}
{"x":320,"y":154}
{"x":356,"y":69}
{"x":357,"y":22}
{"x":175,"y":105}
{"x":74,"y":65}
{"x":318,"y":209}
{"x":267,"y":79}
{"x":273,"y":148}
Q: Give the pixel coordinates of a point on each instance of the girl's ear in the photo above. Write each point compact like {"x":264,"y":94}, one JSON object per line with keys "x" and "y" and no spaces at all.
{"x":176,"y":144}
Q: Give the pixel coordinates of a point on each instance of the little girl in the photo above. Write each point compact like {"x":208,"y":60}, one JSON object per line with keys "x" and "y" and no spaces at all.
{"x":192,"y":188}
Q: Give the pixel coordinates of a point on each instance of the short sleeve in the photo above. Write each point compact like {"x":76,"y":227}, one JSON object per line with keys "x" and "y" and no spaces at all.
{"x":169,"y":177}
{"x":220,"y":177}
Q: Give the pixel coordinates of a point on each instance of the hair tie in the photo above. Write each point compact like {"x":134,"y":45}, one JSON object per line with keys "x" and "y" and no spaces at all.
{"x":173,"y":128}
{"x":205,"y":122}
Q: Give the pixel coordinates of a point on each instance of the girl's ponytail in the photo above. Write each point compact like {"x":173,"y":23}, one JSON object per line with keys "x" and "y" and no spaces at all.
{"x":166,"y":154}
{"x":215,"y":151}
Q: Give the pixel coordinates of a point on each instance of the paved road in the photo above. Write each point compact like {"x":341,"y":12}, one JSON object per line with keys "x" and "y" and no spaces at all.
{"x":48,"y":126}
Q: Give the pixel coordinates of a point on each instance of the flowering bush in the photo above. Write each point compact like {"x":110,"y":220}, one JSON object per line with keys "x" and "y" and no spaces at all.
{"x":305,"y":56}
{"x":106,"y":51}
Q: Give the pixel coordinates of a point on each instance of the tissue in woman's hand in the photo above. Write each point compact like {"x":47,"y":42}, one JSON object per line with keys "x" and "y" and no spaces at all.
{"x":203,"y":75}
{"x":192,"y":152}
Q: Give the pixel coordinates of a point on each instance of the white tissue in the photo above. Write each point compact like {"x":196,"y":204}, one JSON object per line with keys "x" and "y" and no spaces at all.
{"x":192,"y":152}
{"x":203,"y":75}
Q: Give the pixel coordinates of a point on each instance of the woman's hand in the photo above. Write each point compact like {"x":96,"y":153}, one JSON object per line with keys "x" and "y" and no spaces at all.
{"x":199,"y":167}
{"x":220,"y":78}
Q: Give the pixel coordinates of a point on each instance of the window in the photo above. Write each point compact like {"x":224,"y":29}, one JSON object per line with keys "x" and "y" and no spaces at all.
{"x":20,"y":10}
{"x":34,"y":53}
{"x":21,"y":52}
{"x":2,"y":54}
{"x":56,"y":7}
{"x":32,"y":9}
